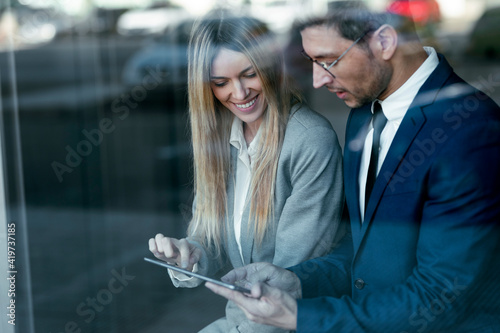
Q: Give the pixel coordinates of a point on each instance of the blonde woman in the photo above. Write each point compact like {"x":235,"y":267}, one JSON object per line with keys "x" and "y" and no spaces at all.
{"x":268,"y":170}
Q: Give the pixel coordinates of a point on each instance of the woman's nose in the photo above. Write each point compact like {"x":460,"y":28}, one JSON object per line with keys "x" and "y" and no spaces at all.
{"x":240,"y":91}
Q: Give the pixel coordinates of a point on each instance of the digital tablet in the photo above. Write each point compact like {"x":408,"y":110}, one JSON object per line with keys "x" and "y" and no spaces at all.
{"x":199,"y":276}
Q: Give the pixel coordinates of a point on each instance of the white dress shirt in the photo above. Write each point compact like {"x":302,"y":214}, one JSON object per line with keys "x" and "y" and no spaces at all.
{"x":394,"y":107}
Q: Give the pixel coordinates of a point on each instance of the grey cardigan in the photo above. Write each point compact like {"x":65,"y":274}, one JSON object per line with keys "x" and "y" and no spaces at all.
{"x":308,"y":205}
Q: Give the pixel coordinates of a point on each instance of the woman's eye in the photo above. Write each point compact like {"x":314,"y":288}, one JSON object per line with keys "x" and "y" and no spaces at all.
{"x":219,"y":84}
{"x":251,"y":75}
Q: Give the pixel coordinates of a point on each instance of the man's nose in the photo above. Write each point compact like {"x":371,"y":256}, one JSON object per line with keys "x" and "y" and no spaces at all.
{"x":320,"y":76}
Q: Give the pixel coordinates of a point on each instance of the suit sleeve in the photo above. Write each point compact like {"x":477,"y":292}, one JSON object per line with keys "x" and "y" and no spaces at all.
{"x":457,"y":256}
{"x":310,"y":218}
{"x":328,"y":275}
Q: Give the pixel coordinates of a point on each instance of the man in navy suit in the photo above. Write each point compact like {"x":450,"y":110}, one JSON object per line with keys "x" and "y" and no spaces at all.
{"x":423,"y":251}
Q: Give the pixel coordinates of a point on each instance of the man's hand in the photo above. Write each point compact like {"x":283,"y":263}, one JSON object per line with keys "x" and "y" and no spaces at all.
{"x":274,"y":290}
{"x":267,"y":273}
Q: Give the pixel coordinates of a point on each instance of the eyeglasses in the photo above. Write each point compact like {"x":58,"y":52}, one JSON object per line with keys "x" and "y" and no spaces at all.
{"x":327,"y":66}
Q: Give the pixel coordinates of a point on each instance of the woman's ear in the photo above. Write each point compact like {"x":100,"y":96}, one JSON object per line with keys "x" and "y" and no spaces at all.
{"x":386,"y":39}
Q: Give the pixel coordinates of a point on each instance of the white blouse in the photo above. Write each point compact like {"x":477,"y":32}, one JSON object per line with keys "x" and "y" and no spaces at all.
{"x":243,"y":174}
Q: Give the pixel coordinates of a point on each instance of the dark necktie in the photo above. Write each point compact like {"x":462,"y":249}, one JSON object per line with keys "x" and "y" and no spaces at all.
{"x":379,"y":121}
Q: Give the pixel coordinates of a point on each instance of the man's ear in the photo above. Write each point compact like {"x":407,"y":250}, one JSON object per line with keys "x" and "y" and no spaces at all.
{"x":386,"y":39}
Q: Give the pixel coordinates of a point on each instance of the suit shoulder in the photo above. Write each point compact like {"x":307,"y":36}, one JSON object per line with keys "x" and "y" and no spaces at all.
{"x":458,"y":104}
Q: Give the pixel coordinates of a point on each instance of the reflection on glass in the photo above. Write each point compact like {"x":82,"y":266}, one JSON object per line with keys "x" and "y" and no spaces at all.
{"x":100,"y":97}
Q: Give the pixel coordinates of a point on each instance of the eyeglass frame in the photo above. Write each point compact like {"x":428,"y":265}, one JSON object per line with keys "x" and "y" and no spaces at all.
{"x":323,"y":64}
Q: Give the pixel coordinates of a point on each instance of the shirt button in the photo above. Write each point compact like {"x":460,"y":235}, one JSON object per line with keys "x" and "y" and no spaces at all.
{"x":359,"y":284}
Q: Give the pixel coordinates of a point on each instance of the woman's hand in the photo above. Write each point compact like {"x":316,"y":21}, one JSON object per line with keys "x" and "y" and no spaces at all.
{"x":175,"y":251}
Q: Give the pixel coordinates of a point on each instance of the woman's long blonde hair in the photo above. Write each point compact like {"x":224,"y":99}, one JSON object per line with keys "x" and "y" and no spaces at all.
{"x":211,"y":125}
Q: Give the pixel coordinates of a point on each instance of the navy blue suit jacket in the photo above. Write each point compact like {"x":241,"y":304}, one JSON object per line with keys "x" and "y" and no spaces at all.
{"x":426,"y":258}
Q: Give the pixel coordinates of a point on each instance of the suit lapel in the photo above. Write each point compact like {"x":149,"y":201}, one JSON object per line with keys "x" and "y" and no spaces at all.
{"x":357,"y":128}
{"x":408,"y":130}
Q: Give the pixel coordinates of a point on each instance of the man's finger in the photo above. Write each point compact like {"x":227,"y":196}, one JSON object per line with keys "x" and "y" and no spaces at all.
{"x":235,"y":296}
{"x":267,"y":291}
{"x":244,"y":303}
{"x":222,"y":291}
{"x":237,"y":274}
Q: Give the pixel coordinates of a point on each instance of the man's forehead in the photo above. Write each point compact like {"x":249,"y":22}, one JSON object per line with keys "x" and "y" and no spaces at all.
{"x":320,"y":30}
{"x":321,"y":39}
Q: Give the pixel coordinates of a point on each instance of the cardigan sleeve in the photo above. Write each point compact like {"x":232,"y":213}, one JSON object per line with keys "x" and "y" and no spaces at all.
{"x":311,"y":215}
{"x":207,"y":265}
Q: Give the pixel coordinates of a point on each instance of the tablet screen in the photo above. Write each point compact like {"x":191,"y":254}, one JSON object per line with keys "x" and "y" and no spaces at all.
{"x":196,"y":275}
